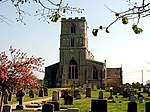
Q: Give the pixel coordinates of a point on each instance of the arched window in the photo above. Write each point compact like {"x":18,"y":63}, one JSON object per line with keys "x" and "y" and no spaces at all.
{"x":73,"y":70}
{"x":73,"y":28}
{"x":95,"y":73}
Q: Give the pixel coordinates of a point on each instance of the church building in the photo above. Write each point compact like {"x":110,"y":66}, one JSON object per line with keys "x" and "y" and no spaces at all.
{"x":77,"y":65}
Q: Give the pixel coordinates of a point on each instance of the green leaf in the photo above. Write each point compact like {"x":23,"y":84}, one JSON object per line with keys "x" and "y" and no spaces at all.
{"x":125,"y":20}
{"x":55,"y":17}
{"x":134,"y":26}
{"x":94,"y":32}
{"x":136,"y":29}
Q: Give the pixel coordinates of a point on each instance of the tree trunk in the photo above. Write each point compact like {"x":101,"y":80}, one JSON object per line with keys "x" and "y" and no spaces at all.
{"x":1,"y":103}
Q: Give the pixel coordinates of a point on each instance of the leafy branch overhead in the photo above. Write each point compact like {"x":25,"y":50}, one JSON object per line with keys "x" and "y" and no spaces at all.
{"x":136,"y":12}
{"x":48,"y":10}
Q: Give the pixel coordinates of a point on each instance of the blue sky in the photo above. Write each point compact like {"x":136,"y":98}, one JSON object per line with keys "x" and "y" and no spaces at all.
{"x":120,"y":47}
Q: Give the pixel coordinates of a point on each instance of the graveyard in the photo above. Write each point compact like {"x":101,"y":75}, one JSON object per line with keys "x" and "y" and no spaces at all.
{"x":89,"y":100}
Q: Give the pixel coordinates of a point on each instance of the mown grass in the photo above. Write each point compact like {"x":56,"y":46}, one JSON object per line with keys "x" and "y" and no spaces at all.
{"x":26,"y":97}
{"x":84,"y":104}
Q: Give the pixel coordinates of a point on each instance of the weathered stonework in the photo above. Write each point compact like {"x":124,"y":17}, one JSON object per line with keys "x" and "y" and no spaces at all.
{"x":77,"y":65}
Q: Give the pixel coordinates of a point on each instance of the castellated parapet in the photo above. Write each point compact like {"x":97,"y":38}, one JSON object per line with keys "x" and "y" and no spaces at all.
{"x":75,"y":19}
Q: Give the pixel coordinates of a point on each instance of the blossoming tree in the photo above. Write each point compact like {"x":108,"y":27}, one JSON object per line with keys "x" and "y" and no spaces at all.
{"x":18,"y":71}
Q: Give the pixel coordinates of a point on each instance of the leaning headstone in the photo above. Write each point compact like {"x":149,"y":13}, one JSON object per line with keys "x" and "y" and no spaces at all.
{"x":98,"y":105}
{"x":88,"y":92}
{"x":7,"y":108}
{"x":40,"y":93}
{"x":48,"y":107}
{"x":100,"y":95}
{"x":132,"y":107}
{"x":147,"y":107}
{"x":73,"y":110}
{"x":141,"y":100}
{"x":54,"y":96}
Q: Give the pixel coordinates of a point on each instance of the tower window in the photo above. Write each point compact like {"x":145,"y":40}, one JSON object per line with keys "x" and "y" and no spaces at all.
{"x":73,"y":70}
{"x":72,"y":42}
{"x":73,"y":28}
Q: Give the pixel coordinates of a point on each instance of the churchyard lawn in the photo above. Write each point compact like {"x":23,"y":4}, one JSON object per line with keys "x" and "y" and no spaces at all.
{"x":84,"y":104}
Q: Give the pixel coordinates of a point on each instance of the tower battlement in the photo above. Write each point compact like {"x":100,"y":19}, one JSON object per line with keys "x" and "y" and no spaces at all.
{"x":73,"y":19}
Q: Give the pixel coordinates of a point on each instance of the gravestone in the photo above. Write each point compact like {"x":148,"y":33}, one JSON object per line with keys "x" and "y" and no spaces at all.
{"x":146,"y":89}
{"x":111,"y":92}
{"x":139,"y":89}
{"x":115,"y":90}
{"x":121,"y":90}
{"x":132,"y":107}
{"x":147,"y":107}
{"x":78,"y":96}
{"x":62,"y":93}
{"x":54,"y":96}
{"x":90,"y":85}
{"x":98,"y":105}
{"x":125,"y":94}
{"x":68,"y":100}
{"x":20,"y":95}
{"x":48,"y":107}
{"x":76,"y":91}
{"x":73,"y":110}
{"x":84,"y":86}
{"x":26,"y":90}
{"x":56,"y":105}
{"x":6,"y":94}
{"x":132,"y":98}
{"x":103,"y":86}
{"x":88,"y":92}
{"x":7,"y":108}
{"x":141,"y":100}
{"x":106,"y":88}
{"x":45,"y":92}
{"x":140,"y":95}
{"x":100,"y":95}
{"x":31,"y":94}
{"x":40,"y":93}
{"x":94,"y":87}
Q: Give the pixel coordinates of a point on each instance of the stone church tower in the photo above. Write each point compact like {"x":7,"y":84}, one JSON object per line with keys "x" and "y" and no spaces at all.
{"x":77,"y":65}
{"x":74,"y":50}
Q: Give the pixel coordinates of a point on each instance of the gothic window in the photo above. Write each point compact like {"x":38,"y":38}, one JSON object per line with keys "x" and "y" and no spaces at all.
{"x":73,"y":28}
{"x":73,"y":70}
{"x":72,"y":42}
{"x":95,"y":74}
